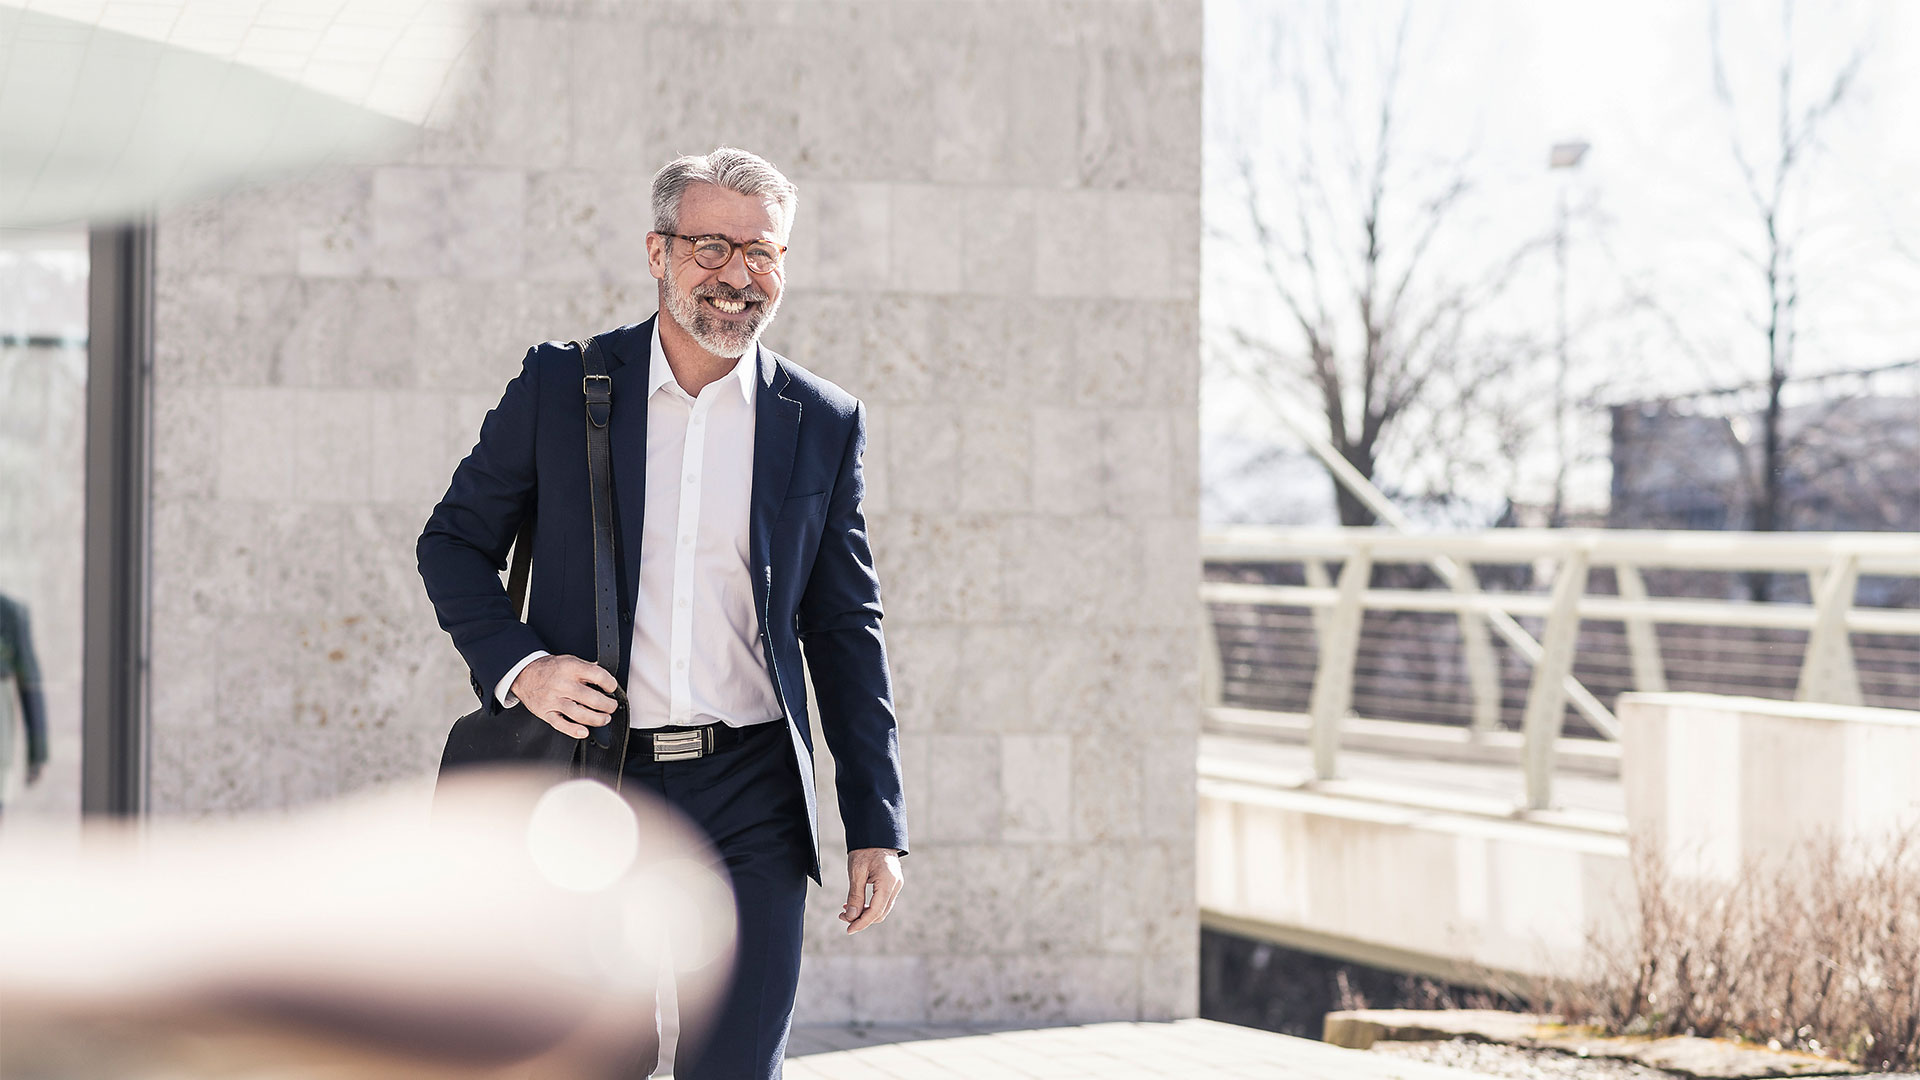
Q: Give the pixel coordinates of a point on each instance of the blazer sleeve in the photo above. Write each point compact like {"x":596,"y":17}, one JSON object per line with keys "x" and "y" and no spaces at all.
{"x":464,"y":547}
{"x":839,"y":624}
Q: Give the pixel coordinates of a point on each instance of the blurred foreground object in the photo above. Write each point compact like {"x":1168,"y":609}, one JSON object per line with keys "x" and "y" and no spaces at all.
{"x":520,"y":933}
{"x":107,"y":110}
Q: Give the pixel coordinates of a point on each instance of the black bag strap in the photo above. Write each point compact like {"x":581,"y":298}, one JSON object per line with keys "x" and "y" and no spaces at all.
{"x":597,"y":387}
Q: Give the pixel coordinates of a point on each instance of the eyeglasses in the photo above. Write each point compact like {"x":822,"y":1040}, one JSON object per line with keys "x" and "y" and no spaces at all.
{"x":714,"y":252}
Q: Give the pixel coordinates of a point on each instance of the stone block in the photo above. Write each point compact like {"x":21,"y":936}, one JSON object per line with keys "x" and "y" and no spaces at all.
{"x":332,"y":439}
{"x":971,"y":340}
{"x":889,"y":989}
{"x":532,"y":64}
{"x":995,"y":677}
{"x":1136,"y":446}
{"x":939,"y":568}
{"x":588,"y":226}
{"x":332,"y":232}
{"x":1107,"y":789}
{"x":971,"y":899}
{"x":1036,"y":777}
{"x":603,"y":85}
{"x":1068,"y":466}
{"x":996,"y":448}
{"x":843,"y":234}
{"x":1170,"y":983}
{"x":1168,"y":596}
{"x":997,"y":240}
{"x":1074,"y":253}
{"x":1098,"y":987}
{"x":1064,"y":880}
{"x":185,"y":692}
{"x":453,"y":223}
{"x":256,"y":452}
{"x":186,"y":441}
{"x":962,"y":797}
{"x":1167,"y":786}
{"x":839,"y":140}
{"x":1043,"y":128}
{"x":410,"y":463}
{"x":923,"y":462}
{"x":924,"y":231}
{"x":970,"y":102}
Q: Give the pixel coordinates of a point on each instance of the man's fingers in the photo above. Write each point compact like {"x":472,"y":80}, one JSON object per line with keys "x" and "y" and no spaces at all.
{"x":593,"y":699}
{"x":564,"y":727}
{"x":579,"y":713}
{"x":594,"y":675}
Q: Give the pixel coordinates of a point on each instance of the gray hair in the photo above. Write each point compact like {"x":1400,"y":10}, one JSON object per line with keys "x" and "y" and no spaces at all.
{"x":724,"y":167}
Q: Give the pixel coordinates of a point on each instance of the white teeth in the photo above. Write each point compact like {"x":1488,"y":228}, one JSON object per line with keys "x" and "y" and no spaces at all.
{"x":732,"y":307}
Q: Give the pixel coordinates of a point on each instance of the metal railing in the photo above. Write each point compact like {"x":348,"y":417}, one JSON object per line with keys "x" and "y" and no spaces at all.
{"x":1832,"y":563}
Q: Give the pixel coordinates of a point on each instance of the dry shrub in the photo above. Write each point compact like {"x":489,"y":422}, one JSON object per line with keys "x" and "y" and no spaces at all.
{"x":1817,"y":950}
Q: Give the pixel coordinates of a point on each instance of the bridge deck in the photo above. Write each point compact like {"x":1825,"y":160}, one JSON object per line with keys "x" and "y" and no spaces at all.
{"x":1390,"y":776}
{"x":1183,"y":1049}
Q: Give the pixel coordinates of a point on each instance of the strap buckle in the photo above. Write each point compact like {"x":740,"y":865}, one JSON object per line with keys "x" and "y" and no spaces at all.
{"x":597,"y":394}
{"x":679,"y":745}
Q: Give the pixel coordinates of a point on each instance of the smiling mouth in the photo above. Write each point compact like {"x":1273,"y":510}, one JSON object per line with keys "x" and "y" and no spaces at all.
{"x":728,"y":307}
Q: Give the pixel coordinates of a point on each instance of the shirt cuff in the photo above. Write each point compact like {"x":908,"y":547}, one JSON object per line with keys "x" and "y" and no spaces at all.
{"x":504,"y":692}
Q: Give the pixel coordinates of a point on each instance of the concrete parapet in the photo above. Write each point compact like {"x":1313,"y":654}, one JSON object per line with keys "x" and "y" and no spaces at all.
{"x":1717,"y":782}
{"x":1449,"y":893}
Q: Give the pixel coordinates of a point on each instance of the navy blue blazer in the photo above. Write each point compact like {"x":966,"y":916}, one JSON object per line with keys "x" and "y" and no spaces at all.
{"x":812,"y":568}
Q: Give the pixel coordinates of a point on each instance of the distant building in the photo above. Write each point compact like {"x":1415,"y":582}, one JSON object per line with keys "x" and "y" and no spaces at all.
{"x":1850,"y":465}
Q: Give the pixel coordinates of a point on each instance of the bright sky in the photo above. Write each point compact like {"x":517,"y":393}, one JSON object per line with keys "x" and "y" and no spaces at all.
{"x":1497,"y":82}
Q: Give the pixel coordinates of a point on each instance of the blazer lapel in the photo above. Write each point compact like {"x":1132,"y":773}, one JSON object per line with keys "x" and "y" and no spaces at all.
{"x":776,"y":432}
{"x":629,"y":444}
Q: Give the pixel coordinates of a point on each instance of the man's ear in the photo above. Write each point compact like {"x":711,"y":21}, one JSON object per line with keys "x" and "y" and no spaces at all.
{"x":657,"y":256}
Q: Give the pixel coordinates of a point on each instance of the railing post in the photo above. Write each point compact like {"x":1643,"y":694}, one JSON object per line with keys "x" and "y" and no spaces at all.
{"x":1213,"y":664}
{"x":1333,"y":677}
{"x":1827,"y":674}
{"x":1316,"y":572}
{"x":1547,"y":696}
{"x":1483,"y":675}
{"x":1643,"y":642}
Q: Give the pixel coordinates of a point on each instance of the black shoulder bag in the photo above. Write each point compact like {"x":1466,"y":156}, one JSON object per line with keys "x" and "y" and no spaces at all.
{"x":516,"y":735}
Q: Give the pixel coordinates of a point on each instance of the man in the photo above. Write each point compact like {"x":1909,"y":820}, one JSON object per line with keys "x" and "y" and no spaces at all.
{"x":737,"y":489}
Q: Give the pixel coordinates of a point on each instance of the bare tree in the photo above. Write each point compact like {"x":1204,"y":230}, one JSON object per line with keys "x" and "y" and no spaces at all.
{"x":1774,"y":172}
{"x":1379,"y":331}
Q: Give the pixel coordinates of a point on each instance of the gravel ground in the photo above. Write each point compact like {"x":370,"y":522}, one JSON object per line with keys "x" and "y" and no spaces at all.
{"x":1492,"y":1059}
{"x":1513,"y":1063}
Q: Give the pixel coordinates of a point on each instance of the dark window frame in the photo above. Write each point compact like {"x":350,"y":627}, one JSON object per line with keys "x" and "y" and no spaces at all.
{"x":114,"y":680}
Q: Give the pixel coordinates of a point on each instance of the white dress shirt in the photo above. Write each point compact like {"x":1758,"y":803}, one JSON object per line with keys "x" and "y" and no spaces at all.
{"x":696,"y":655}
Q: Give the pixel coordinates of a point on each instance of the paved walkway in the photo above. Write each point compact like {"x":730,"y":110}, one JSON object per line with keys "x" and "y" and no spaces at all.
{"x":1181,"y":1050}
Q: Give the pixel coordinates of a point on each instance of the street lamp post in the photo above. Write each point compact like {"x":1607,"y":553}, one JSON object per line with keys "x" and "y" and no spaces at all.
{"x":1563,"y":158}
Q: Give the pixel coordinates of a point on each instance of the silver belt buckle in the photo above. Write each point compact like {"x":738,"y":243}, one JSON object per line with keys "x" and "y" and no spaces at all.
{"x":678,"y":745}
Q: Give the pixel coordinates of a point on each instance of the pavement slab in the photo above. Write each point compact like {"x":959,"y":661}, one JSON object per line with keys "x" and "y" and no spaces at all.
{"x":1175,"y":1050}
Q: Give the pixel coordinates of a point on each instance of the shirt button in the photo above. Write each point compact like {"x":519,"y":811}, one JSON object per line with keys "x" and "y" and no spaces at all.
{"x":691,"y":478}
{"x":681,"y":664}
{"x":683,"y":601}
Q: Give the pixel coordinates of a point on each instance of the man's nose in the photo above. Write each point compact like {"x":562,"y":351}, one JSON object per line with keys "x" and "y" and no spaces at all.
{"x":735,"y":272}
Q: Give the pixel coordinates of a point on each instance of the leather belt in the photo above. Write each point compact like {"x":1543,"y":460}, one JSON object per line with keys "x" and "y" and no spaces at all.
{"x":683,"y":743}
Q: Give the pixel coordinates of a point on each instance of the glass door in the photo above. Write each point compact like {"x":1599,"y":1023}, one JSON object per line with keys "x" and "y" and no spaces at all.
{"x":43,"y":516}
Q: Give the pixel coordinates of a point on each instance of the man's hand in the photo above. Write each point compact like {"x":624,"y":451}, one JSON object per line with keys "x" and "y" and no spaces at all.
{"x":880,"y":868}
{"x":567,"y":692}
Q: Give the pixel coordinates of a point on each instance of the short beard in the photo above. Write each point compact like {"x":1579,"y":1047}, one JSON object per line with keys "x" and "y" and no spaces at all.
{"x":714,"y":334}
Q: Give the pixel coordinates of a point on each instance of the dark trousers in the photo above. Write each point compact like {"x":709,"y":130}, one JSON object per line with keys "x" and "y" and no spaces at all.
{"x":747,"y":799}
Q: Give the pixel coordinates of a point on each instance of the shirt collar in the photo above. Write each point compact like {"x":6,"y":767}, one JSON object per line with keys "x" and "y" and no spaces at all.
{"x":660,"y":373}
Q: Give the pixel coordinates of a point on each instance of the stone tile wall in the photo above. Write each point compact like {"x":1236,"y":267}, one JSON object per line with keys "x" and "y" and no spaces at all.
{"x":997,"y":248}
